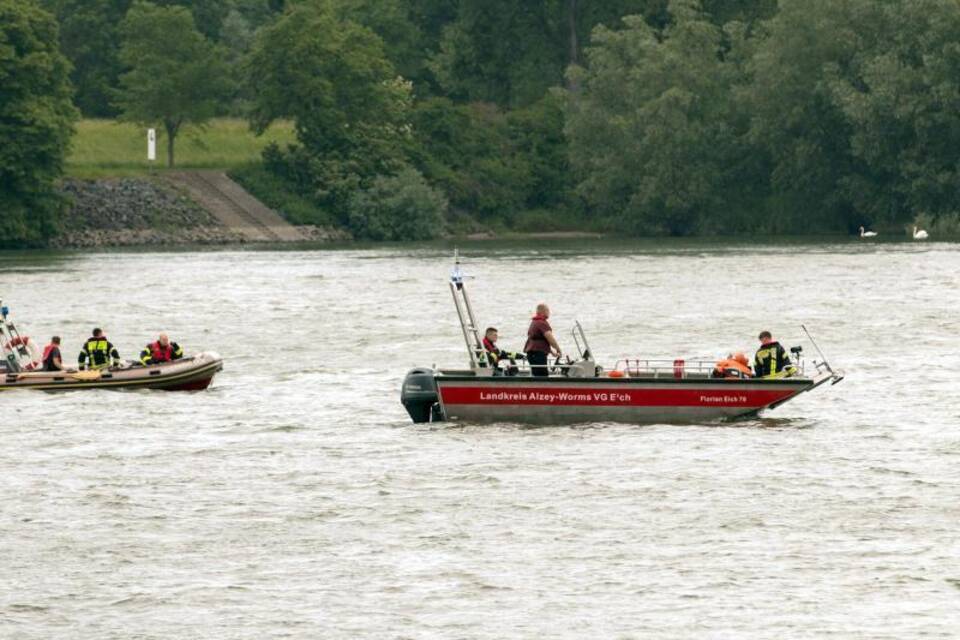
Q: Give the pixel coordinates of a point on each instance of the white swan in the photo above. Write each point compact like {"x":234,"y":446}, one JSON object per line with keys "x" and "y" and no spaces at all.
{"x":867,"y":234}
{"x":920,"y":235}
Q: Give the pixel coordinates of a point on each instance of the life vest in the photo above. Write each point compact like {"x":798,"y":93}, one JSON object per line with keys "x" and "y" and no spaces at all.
{"x":97,"y":349}
{"x":159,"y":353}
{"x":731,"y":368}
{"x":536,"y":340}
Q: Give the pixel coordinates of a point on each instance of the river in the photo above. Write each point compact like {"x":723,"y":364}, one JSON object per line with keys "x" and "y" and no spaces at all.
{"x":294,"y":499}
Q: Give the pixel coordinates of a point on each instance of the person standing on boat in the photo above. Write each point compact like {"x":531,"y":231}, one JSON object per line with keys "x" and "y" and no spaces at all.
{"x":52,"y":360}
{"x":540,"y":342}
{"x":772,"y":360}
{"x":496,"y":355}
{"x":161,"y":351}
{"x":97,"y":351}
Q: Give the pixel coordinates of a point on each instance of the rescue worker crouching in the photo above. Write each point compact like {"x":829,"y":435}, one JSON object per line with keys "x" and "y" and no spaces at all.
{"x":162,"y":350}
{"x":733,"y":366}
{"x":97,"y":352}
{"x":772,"y":361}
{"x":496,"y":355}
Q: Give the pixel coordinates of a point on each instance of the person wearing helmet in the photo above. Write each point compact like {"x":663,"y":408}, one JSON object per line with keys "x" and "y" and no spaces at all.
{"x":734,"y":365}
{"x":772,"y":361}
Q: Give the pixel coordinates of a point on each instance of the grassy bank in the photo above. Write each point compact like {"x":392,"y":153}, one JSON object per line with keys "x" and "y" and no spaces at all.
{"x":106,"y":148}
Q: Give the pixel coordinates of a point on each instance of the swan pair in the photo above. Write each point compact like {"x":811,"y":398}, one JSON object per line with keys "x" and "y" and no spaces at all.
{"x":918,"y":234}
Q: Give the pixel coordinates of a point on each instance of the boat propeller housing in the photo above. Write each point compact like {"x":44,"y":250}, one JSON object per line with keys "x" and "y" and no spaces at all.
{"x":420,"y":396}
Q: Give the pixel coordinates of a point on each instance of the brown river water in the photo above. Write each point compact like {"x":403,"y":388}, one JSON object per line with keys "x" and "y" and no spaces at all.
{"x":294,"y":499}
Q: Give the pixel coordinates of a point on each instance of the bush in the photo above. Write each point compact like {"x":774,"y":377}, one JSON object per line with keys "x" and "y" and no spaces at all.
{"x":281,"y":195}
{"x":401,"y":207}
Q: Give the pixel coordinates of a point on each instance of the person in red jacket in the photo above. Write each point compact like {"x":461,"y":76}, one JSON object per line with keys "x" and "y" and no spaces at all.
{"x":161,"y":351}
{"x":52,"y":360}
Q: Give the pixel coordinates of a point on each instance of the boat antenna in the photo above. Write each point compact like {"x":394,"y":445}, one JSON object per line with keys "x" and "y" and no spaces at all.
{"x":468,"y":322}
{"x":823,"y":358}
{"x":456,"y":276}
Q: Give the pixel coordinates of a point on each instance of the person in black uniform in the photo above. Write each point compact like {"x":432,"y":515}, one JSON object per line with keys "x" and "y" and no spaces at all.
{"x":772,"y":360}
{"x":496,"y":355}
{"x":97,"y":352}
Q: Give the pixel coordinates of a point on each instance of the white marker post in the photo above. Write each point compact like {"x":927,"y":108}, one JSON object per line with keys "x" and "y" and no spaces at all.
{"x":152,"y":145}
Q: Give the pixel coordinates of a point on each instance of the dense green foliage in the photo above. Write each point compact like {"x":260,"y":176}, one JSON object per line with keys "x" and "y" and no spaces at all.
{"x":350,"y":109}
{"x":36,"y":118}
{"x":826,"y":116}
{"x":642,"y":116}
{"x":176,"y":76}
{"x":400,"y":207}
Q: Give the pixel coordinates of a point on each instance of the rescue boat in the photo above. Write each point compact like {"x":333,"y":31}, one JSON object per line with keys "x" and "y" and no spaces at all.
{"x":634,"y":391}
{"x":21,"y":368}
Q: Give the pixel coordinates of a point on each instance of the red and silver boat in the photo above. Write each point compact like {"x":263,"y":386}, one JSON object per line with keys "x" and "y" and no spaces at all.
{"x":634,"y":391}
{"x":21,"y":368}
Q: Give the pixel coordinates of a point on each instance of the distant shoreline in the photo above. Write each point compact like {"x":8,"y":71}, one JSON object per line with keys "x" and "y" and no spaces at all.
{"x":535,"y":235}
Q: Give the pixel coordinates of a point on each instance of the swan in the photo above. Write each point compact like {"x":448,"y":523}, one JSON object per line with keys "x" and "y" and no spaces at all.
{"x":867,"y":234}
{"x":920,"y":235}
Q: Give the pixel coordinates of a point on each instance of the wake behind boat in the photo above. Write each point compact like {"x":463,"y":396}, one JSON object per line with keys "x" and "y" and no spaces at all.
{"x":21,"y":367}
{"x":635,"y":391}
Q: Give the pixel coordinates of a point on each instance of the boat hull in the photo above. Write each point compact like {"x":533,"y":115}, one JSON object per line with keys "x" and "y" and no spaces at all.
{"x":634,"y":401}
{"x":189,"y":374}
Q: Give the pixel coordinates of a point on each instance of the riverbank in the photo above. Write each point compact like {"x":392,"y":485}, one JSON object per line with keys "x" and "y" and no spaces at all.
{"x":148,"y":211}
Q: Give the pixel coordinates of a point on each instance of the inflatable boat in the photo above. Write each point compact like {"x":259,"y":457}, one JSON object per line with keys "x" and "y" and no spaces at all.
{"x":187,"y":374}
{"x":634,"y":391}
{"x":21,"y":368}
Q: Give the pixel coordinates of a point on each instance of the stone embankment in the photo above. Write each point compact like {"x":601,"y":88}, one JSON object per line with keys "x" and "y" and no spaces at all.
{"x":209,"y":210}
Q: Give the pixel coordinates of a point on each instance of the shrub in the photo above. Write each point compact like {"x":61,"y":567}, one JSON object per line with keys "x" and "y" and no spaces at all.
{"x":401,"y":207}
{"x":281,"y":195}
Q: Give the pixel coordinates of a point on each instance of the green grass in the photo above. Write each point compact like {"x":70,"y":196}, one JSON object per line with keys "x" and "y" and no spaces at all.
{"x":106,"y":148}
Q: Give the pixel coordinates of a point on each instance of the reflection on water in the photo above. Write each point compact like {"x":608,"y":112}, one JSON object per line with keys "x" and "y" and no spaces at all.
{"x":294,"y":499}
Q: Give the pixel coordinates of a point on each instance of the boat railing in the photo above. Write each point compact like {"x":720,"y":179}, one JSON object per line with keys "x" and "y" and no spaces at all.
{"x":652,"y":368}
{"x":679,"y":368}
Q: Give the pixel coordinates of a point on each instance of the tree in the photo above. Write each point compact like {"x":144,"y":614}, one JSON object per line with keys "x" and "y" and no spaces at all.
{"x":903,"y":106}
{"x":393,"y":22}
{"x":650,"y":131}
{"x":350,"y":110}
{"x":815,"y":179}
{"x":208,"y":15}
{"x":89,"y":38}
{"x":36,"y":121}
{"x":511,"y":52}
{"x":502,"y":51}
{"x":176,"y":78}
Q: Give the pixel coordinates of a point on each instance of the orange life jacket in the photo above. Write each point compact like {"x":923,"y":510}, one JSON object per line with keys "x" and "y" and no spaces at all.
{"x":730,"y":368}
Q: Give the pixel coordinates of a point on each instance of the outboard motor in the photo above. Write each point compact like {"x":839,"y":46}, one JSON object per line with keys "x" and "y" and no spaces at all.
{"x":420,"y":396}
